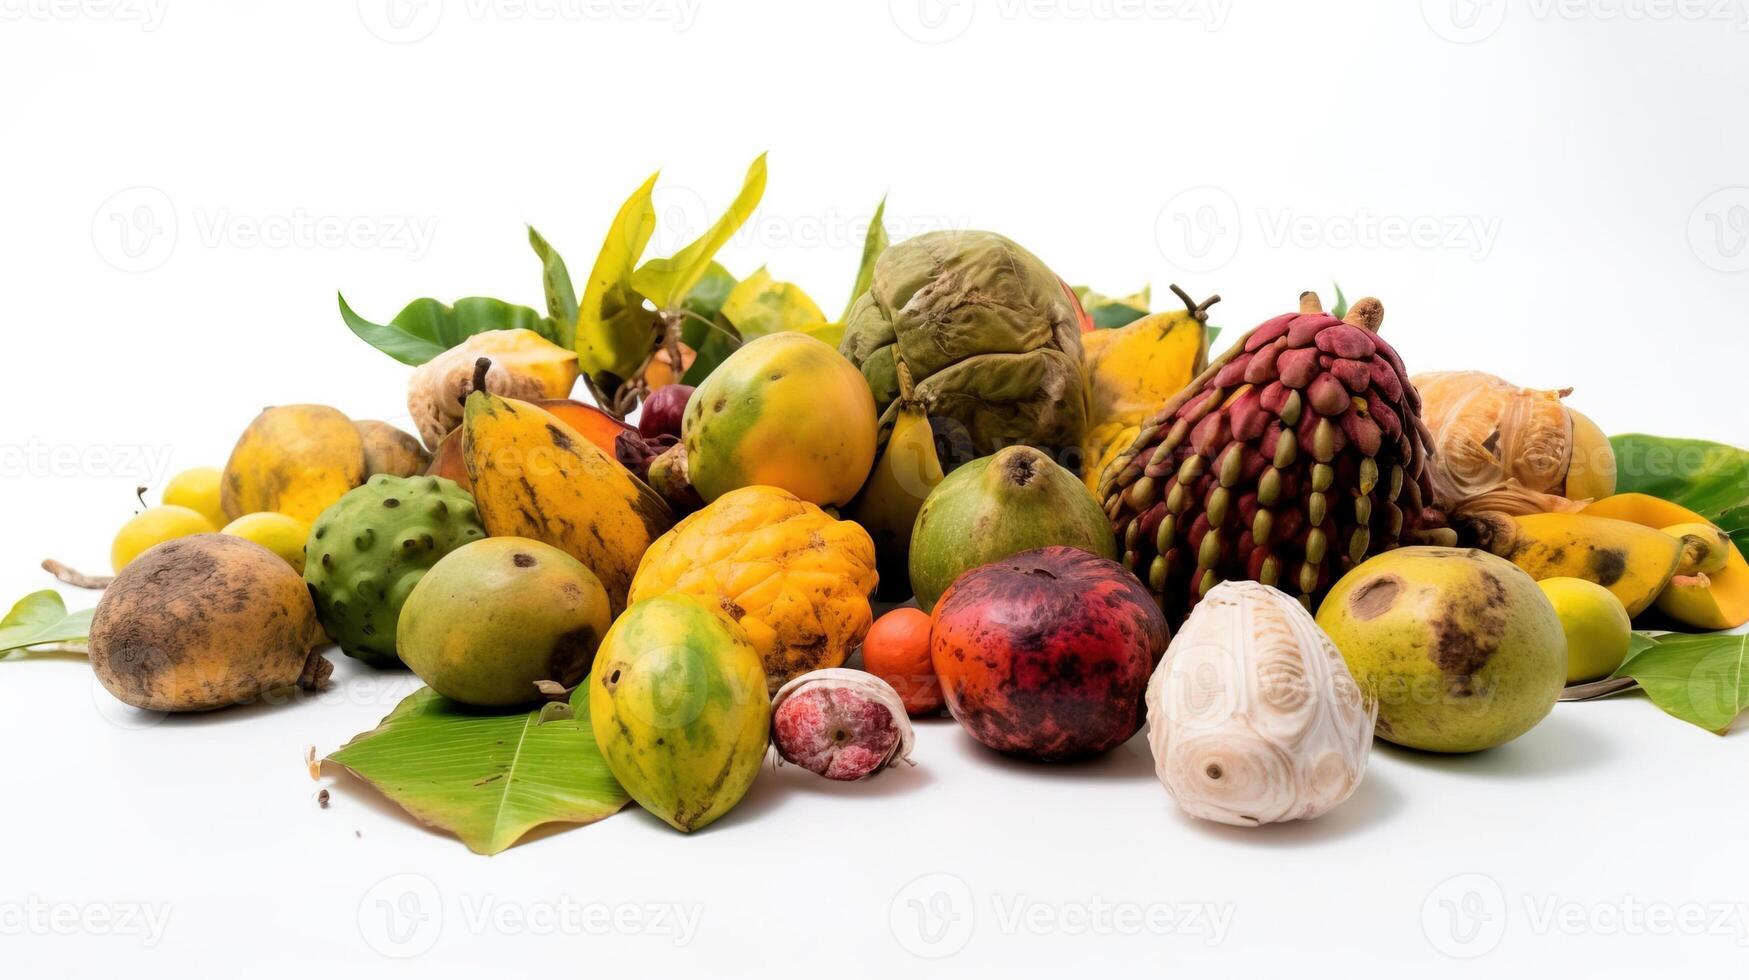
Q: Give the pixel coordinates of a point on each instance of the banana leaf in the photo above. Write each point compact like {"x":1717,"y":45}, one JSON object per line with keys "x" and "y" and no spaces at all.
{"x":487,"y":777}
{"x":426,"y":328}
{"x":42,"y":618}
{"x":666,"y":282}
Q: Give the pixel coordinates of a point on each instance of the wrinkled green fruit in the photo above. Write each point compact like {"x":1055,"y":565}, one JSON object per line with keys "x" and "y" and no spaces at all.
{"x":679,"y":707}
{"x":368,"y":550}
{"x":998,"y":506}
{"x":1462,"y":649}
{"x":990,"y":336}
{"x":496,"y":616}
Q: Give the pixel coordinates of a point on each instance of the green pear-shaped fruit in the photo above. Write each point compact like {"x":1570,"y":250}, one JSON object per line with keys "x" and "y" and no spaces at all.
{"x":998,"y":506}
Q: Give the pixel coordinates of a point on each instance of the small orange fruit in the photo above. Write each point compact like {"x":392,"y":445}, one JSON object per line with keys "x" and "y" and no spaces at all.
{"x":897,"y":651}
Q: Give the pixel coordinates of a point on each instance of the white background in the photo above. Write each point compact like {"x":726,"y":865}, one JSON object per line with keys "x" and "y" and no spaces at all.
{"x":1583,"y":168}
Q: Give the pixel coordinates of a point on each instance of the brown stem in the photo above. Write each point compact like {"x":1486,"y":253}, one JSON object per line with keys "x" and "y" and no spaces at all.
{"x":1367,"y":313}
{"x":481,"y":366}
{"x":1599,"y":689}
{"x":1310,"y":303}
{"x":1199,"y":311}
{"x":77,"y":579}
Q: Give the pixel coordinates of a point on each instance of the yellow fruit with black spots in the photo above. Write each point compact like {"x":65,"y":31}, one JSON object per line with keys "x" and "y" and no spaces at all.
{"x":1632,"y":561}
{"x":1716,"y":600}
{"x":1596,"y":624}
{"x":1460,"y":647}
{"x":786,"y":410}
{"x":799,"y":577}
{"x":536,"y":477}
{"x":295,"y":460}
{"x":679,"y":707}
{"x":284,"y":536}
{"x":154,"y":526}
{"x":198,"y":490}
{"x":1132,"y":369}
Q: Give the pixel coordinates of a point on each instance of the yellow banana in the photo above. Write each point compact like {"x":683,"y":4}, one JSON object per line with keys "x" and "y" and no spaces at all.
{"x":888,"y":503}
{"x":536,"y":477}
{"x":1632,"y":561}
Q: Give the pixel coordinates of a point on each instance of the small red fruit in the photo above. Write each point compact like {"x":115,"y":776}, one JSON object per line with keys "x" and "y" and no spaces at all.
{"x":897,"y":651}
{"x":839,"y":723}
{"x":663,"y":410}
{"x":1046,"y":654}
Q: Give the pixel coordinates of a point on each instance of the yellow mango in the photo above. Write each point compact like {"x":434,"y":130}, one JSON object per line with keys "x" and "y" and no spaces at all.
{"x":800,"y":579}
{"x":536,"y":477}
{"x":293,"y":460}
{"x":1132,"y":369}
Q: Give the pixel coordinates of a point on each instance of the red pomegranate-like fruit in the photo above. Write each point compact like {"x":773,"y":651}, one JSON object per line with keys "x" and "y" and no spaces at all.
{"x":1046,"y":654}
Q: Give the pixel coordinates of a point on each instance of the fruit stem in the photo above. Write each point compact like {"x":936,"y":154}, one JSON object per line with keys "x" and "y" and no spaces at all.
{"x":1599,"y":689}
{"x":77,"y":579}
{"x":1197,"y":311}
{"x":1310,"y":303}
{"x":481,"y":366}
{"x":1367,"y":313}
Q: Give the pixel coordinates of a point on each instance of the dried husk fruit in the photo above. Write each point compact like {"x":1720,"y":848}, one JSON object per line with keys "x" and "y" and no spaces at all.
{"x":1504,"y":449}
{"x":1291,"y":459}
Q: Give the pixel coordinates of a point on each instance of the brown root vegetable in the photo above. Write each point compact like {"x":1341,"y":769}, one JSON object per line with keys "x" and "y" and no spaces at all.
{"x":293,"y":460}
{"x":391,"y":451}
{"x":203,"y":622}
{"x":1499,"y":448}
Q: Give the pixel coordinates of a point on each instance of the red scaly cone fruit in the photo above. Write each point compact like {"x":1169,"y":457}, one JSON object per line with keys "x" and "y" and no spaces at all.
{"x":1291,"y":459}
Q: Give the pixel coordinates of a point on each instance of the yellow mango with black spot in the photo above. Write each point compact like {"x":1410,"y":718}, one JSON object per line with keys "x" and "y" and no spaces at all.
{"x":678,"y":705}
{"x":536,"y":477}
{"x":786,"y":410}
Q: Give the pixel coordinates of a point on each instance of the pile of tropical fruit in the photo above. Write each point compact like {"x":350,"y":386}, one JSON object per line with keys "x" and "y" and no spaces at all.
{"x":1268,"y":558}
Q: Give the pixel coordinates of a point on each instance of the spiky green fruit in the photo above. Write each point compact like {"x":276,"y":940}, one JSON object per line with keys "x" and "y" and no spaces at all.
{"x":368,"y":550}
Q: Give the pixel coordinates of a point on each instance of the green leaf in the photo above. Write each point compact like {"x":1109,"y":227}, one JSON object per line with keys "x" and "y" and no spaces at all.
{"x":1110,"y":312}
{"x":1213,"y":332}
{"x":1341,"y":308}
{"x":489,"y":778}
{"x":1709,"y":478}
{"x":1700,"y":678}
{"x":873,"y":244}
{"x":704,"y":330}
{"x":615,"y":332}
{"x":556,"y":283}
{"x":41,"y":618}
{"x":760,"y":305}
{"x":667,"y":281}
{"x":426,"y":328}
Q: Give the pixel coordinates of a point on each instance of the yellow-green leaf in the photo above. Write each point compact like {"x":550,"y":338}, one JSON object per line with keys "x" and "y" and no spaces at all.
{"x":487,"y":777}
{"x":873,"y":244}
{"x":760,"y":305}
{"x":1701,"y":678}
{"x":615,"y":332}
{"x":42,"y":618}
{"x":667,"y":281}
{"x":556,"y":283}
